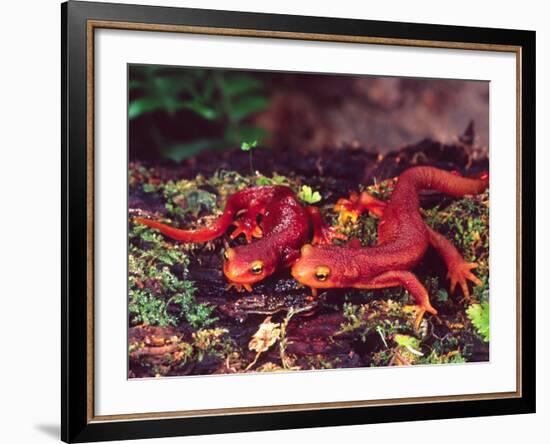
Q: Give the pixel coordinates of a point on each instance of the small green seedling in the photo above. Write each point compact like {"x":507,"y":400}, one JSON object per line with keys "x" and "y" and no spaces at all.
{"x":248,"y":146}
{"x":308,"y":195}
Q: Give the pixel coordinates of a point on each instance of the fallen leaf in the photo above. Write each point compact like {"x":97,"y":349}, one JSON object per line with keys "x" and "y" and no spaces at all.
{"x":268,"y":333}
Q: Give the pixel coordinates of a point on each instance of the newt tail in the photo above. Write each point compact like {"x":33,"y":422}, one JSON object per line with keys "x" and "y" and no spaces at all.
{"x":253,"y":200}
{"x":200,"y":235}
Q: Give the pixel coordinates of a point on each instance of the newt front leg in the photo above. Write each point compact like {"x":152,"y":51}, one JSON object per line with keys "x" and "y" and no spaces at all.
{"x":458,"y":270}
{"x":409,"y":282}
{"x":322,"y":233}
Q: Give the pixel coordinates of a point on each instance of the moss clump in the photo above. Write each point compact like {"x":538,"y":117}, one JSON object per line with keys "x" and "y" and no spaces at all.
{"x":158,"y":352}
{"x":158,"y":292}
{"x":384,"y":317}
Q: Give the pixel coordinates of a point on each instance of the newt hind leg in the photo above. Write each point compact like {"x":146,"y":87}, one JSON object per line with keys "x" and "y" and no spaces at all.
{"x":248,"y":225}
{"x":352,"y":207}
{"x":322,"y":232}
{"x":409,"y":282}
{"x":459,"y":271}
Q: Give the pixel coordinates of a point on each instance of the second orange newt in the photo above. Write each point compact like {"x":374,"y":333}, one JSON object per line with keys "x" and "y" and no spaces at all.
{"x":403,"y":238}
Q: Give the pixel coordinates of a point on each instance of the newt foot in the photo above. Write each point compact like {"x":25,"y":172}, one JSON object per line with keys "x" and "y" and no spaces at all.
{"x":239,"y":287}
{"x":348,"y":209}
{"x":313,"y":295}
{"x":460,"y":274}
{"x":421,"y":311}
{"x":248,"y":228}
{"x":325,"y":235}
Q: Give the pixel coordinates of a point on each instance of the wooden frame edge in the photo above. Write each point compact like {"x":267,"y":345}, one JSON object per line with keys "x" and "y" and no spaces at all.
{"x":92,"y":25}
{"x":78,"y":423}
{"x":337,"y":38}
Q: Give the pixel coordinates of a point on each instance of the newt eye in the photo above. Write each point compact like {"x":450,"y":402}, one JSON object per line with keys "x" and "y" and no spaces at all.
{"x":322,"y":273}
{"x":256,"y":267}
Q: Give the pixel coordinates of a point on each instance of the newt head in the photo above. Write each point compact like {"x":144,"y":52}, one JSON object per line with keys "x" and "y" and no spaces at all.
{"x":324,"y":266}
{"x":245,"y":265}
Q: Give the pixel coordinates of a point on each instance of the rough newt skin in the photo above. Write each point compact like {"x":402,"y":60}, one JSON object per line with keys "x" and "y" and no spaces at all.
{"x":285,"y":227}
{"x":403,"y":238}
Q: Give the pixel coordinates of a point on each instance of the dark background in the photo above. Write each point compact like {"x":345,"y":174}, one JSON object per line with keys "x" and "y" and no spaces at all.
{"x":176,"y":113}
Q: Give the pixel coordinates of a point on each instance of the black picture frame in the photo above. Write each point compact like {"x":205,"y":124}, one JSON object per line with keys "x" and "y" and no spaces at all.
{"x":77,"y":425}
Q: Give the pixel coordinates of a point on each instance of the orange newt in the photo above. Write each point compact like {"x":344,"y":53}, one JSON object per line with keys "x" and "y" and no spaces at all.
{"x":403,"y":238}
{"x":284,"y":228}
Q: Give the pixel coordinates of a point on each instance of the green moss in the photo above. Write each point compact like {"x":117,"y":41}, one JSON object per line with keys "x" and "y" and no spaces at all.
{"x":322,"y":362}
{"x":156,"y":283}
{"x":466,"y":223}
{"x":384,"y":317}
{"x":366,"y":230}
{"x":212,"y":342}
{"x":452,"y":357}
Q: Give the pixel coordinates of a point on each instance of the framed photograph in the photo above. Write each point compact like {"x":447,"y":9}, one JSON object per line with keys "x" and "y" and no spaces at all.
{"x":276,"y":221}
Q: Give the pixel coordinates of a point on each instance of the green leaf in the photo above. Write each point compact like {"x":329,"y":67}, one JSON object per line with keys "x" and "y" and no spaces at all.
{"x":245,"y":132}
{"x":275,"y":180}
{"x":149,"y":188}
{"x":239,"y":84}
{"x":247,"y":146}
{"x":247,"y":106}
{"x":479,"y":315}
{"x":172,"y":85}
{"x":308,"y":195}
{"x":208,"y":89}
{"x":280,"y":180}
{"x":262,"y":180}
{"x":143,"y":105}
{"x":406,"y":341}
{"x":181,"y":151}
{"x":442,"y":295}
{"x":202,"y":110}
